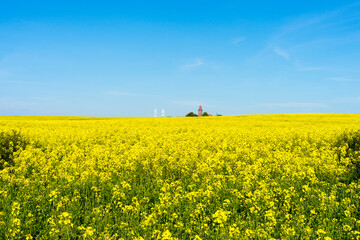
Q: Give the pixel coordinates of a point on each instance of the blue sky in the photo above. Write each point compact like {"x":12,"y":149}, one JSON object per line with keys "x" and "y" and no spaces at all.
{"x":117,"y":58}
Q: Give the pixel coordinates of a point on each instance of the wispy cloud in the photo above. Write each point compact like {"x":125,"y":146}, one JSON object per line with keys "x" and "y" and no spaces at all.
{"x":126,"y":94}
{"x":19,"y":81}
{"x":313,"y":68}
{"x":14,"y":106}
{"x":3,"y":73}
{"x":10,"y":57}
{"x":354,"y":100}
{"x":295,"y":105}
{"x":238,"y":40}
{"x":120,"y":93}
{"x":193,"y":64}
{"x":4,"y":59}
{"x":281,"y":53}
{"x":193,"y":103}
{"x":344,"y":14}
{"x":301,"y":67}
{"x":309,"y":32}
{"x":188,"y":103}
{"x":340,"y":79}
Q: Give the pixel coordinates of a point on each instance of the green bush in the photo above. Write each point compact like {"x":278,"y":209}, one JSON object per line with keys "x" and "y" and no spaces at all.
{"x":9,"y":144}
{"x":348,"y":151}
{"x":191,"y":114}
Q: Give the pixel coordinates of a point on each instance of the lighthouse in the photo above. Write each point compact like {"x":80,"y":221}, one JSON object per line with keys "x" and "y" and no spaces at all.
{"x":200,"y":111}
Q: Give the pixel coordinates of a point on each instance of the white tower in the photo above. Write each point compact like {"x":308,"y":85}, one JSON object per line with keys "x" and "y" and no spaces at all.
{"x":163,"y":113}
{"x":155,"y":112}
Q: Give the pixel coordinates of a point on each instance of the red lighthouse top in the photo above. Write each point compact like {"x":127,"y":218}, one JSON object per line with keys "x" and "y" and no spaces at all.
{"x":200,"y":111}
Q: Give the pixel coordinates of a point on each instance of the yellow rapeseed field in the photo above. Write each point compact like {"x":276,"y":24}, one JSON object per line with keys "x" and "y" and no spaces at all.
{"x":293,"y":176}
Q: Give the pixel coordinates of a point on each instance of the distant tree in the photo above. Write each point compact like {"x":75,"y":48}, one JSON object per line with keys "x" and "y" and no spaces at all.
{"x":205,"y":114}
{"x":191,"y":114}
{"x":217,"y":114}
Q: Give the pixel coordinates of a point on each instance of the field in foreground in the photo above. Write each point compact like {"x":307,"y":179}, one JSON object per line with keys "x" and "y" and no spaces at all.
{"x":239,"y":177}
